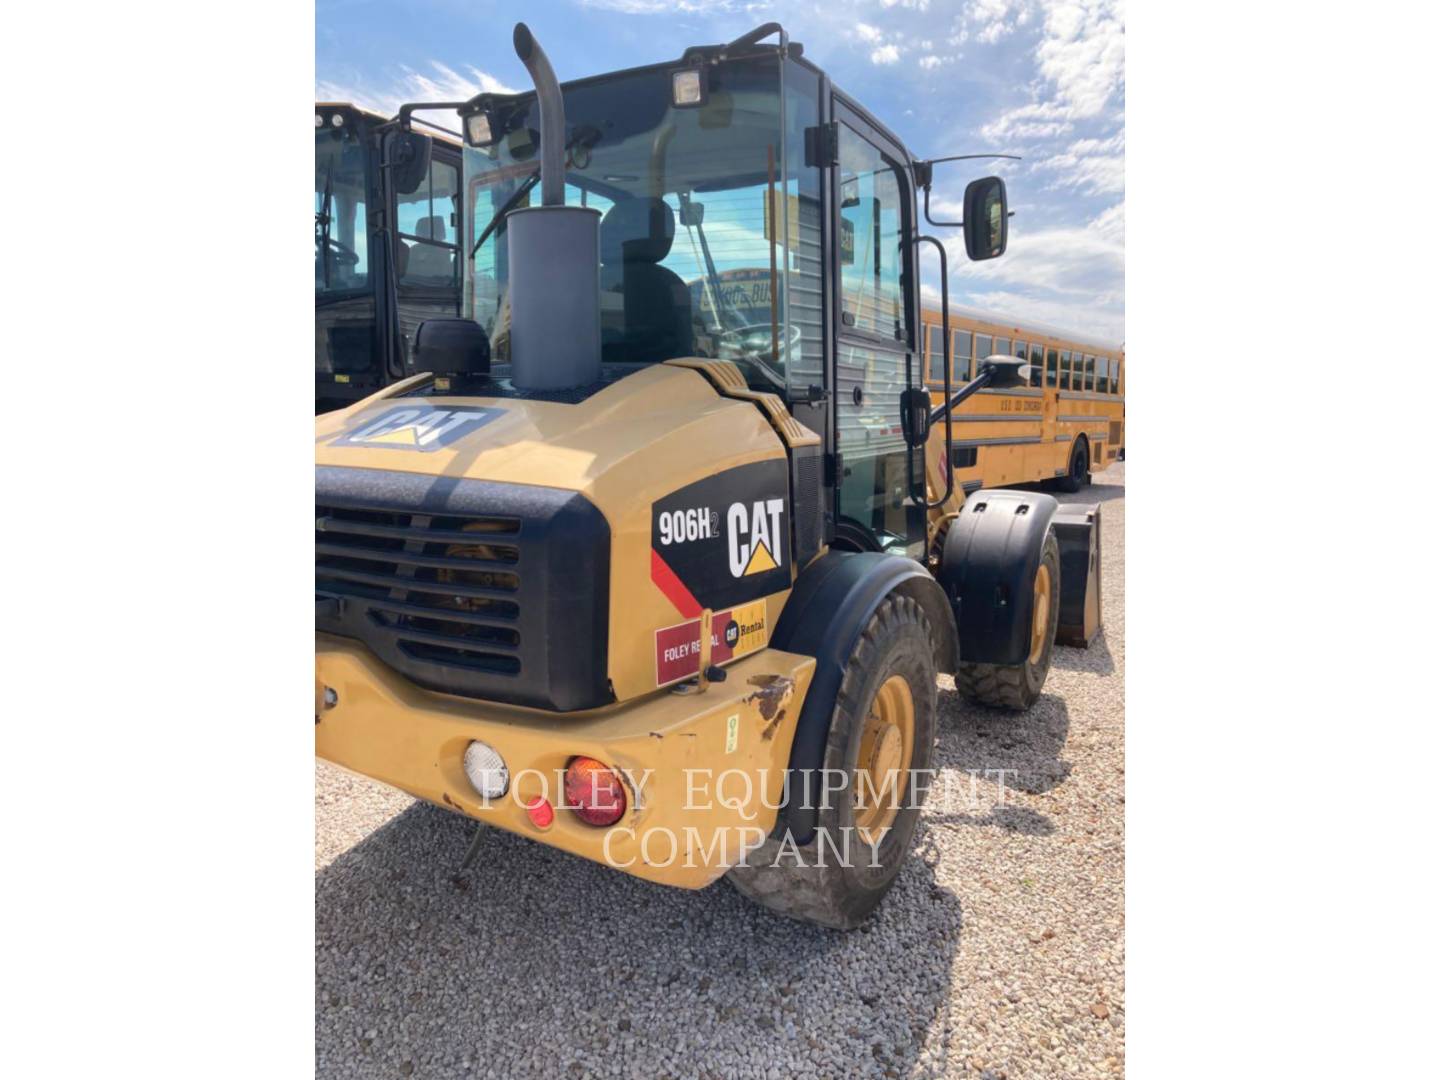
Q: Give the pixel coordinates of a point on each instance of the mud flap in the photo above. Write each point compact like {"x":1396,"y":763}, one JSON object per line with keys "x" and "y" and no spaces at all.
{"x":1077,"y":528}
{"x":988,"y":569}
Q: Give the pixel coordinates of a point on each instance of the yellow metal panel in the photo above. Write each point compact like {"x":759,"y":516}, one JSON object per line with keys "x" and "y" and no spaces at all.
{"x":704,"y":770}
{"x":623,"y":448}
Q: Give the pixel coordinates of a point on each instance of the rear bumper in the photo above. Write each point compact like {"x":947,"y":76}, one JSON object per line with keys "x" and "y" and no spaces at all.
{"x":705,"y":772}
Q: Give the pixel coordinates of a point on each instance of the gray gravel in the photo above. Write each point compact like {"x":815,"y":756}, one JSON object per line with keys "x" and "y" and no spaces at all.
{"x":1000,"y":952}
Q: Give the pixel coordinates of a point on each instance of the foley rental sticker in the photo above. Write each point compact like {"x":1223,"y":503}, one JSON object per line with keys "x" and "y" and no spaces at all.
{"x":733,"y":633}
{"x":417,"y":427}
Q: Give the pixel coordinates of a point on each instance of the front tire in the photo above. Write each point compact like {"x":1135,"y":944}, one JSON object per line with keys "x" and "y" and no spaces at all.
{"x":883,"y":725}
{"x":1018,"y":686}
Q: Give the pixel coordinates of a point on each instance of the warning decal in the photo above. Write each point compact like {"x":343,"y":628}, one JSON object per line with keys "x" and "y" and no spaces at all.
{"x":733,"y":633}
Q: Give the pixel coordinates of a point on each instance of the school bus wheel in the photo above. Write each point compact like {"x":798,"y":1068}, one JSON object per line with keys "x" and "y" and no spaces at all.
{"x":1077,"y":474}
{"x":1017,"y":686}
{"x":882,"y":739}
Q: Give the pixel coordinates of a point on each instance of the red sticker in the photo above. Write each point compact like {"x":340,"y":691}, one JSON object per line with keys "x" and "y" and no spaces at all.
{"x":732,"y":633}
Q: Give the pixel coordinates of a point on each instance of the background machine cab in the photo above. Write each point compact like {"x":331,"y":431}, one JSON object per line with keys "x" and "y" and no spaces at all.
{"x":386,"y":248}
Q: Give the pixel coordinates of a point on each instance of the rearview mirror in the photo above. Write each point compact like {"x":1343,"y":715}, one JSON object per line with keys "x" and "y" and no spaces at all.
{"x":987,"y":219}
{"x":1006,"y":372}
{"x":407,"y":156}
{"x":449,"y":347}
{"x":915,"y":415}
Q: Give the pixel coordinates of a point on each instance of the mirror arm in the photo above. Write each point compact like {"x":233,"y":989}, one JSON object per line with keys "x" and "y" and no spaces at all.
{"x":982,"y":379}
{"x":924,"y":170}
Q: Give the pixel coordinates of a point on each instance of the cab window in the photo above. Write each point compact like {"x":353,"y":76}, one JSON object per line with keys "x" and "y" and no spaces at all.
{"x":427,"y":220}
{"x":871,"y":244}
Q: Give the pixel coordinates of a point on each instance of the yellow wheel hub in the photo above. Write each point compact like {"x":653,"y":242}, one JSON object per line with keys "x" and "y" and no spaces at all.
{"x":1040,"y":620}
{"x":887,"y":746}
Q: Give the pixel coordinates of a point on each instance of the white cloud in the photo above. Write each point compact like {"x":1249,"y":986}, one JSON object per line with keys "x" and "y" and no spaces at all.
{"x":930,"y":61}
{"x":665,"y":7}
{"x":1073,"y":277}
{"x":1090,"y":166}
{"x":868,"y":32}
{"x":1080,"y":59}
{"x":886,"y":54}
{"x":440,"y":83}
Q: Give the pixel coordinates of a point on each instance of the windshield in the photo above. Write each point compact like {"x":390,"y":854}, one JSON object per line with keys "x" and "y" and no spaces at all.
{"x":691,"y":262}
{"x":341,"y":264}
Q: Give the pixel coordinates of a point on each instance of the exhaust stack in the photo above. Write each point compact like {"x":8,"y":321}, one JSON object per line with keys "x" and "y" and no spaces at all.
{"x":554,"y":257}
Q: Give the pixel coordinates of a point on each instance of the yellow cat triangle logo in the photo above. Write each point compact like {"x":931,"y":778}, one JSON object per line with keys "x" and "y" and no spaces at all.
{"x":404,"y":436}
{"x":760,"y":560}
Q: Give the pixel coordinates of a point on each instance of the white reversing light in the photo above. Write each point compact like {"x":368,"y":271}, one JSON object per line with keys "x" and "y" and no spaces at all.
{"x":337,"y":120}
{"x":486,"y":770}
{"x":319,"y":120}
{"x":686,"y":88}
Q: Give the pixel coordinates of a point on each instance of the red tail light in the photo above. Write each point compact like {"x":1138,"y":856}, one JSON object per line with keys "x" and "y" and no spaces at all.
{"x":594,"y":792}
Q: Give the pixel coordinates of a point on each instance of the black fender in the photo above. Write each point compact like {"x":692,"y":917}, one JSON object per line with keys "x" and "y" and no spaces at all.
{"x":827,"y":611}
{"x":987,"y":570}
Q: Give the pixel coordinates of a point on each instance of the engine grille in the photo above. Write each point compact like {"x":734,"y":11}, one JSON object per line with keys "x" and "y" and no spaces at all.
{"x":496,"y":591}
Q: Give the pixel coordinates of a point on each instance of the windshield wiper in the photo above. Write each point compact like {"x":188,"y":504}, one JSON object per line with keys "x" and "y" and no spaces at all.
{"x":509,"y":204}
{"x":322,"y":218}
{"x":585,"y":137}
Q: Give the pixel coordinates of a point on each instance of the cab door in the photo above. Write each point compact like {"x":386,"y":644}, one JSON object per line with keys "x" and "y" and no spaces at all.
{"x":875,"y":338}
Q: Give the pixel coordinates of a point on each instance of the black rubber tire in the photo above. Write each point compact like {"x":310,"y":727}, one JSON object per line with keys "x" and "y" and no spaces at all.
{"x":897,"y":640}
{"x":1077,"y":474}
{"x":1016,"y":687}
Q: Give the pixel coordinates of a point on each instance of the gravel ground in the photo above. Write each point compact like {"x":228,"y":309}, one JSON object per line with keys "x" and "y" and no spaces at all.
{"x":999,"y":953}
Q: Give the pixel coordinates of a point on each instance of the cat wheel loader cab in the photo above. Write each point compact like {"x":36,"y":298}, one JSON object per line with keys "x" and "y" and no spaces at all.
{"x":386,"y":247}
{"x":655,"y":555}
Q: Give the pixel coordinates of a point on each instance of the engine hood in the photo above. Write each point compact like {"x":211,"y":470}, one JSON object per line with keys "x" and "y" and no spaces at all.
{"x":692,"y":484}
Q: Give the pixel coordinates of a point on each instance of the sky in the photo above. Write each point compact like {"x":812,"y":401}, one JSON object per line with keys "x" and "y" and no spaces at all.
{"x":1044,"y":79}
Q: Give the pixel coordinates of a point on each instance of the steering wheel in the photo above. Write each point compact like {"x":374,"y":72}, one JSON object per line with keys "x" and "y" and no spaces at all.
{"x":751,"y":345}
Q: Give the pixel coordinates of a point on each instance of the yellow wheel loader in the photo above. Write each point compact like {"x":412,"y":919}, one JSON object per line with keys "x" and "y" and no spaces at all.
{"x":656,"y":554}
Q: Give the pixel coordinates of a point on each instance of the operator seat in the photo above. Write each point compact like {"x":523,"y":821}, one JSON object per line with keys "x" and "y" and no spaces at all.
{"x":644,"y":307}
{"x":435,"y":264}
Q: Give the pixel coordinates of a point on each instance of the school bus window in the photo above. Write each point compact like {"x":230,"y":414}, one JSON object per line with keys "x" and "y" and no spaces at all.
{"x":984,"y":347}
{"x":1020,"y":349}
{"x":1089,"y":373}
{"x":1037,"y":364}
{"x":1052,"y":367}
{"x":961,"y":350}
{"x":935,"y":346}
{"x":1002,"y":346}
{"x":1102,"y":375}
{"x":1062,"y":380}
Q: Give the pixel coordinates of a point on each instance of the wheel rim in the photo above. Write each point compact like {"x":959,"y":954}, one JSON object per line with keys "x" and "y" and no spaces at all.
{"x":887,"y":745}
{"x":1040,"y":614}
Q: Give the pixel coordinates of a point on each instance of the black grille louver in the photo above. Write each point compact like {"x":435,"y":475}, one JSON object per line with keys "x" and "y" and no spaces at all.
{"x":495,"y":591}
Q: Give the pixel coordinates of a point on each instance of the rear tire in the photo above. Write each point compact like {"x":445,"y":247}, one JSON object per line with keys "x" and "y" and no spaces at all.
{"x":818,"y":886}
{"x":1077,"y":475}
{"x":1017,"y":687}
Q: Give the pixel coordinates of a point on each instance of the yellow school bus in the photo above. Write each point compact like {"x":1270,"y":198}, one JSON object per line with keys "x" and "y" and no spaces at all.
{"x":1068,"y":422}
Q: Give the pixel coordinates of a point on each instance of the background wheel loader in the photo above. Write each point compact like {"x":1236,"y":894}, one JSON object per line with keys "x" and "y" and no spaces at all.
{"x":656,"y":554}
